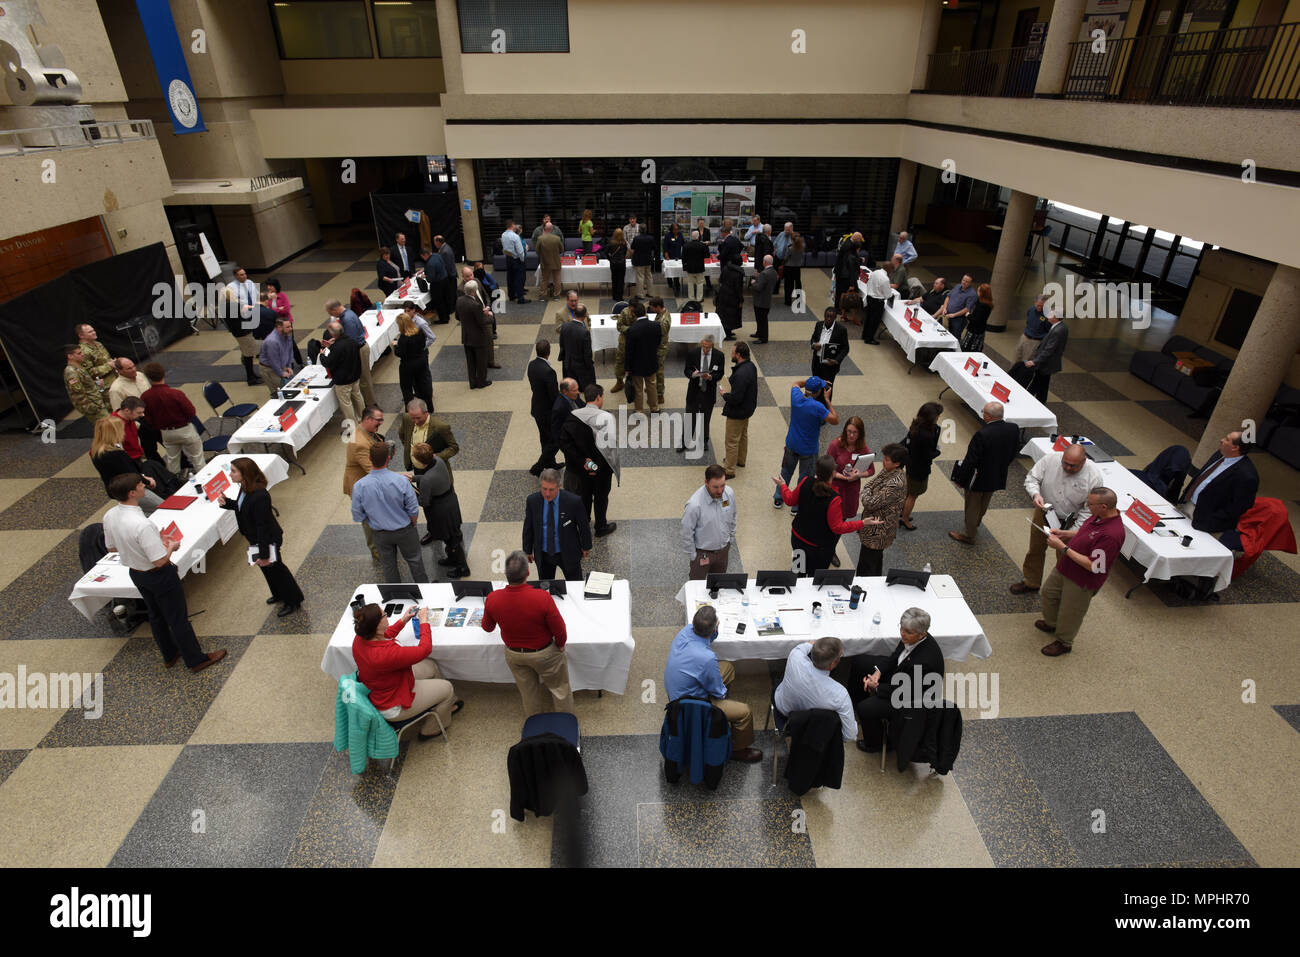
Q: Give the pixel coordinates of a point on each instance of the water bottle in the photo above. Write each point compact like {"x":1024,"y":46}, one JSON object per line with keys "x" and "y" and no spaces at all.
{"x":926,"y":568}
{"x":875,"y":619}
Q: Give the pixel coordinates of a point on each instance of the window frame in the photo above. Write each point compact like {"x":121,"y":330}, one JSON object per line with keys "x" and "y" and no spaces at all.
{"x":568,"y":37}
{"x":374,"y":25}
{"x":372,"y":42}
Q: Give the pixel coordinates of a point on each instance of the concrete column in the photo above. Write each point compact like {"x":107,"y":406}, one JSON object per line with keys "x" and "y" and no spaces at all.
{"x":901,"y":219}
{"x":1062,"y":30}
{"x":453,"y":76}
{"x":467,"y":189}
{"x":926,"y":41}
{"x":1261,"y":363}
{"x":1010,"y":261}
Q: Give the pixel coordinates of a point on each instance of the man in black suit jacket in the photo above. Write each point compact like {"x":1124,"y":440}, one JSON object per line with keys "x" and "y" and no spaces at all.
{"x":388,"y":272}
{"x":641,"y":360}
{"x":830,"y":346}
{"x":729,"y":246}
{"x":704,"y":368}
{"x":1047,"y":357}
{"x":403,"y":255}
{"x":906,"y":677}
{"x":570,"y":398}
{"x":738,"y":405}
{"x":983,"y":469}
{"x":563,"y":523}
{"x":541,"y":379}
{"x":576,"y":360}
{"x":1220,"y":493}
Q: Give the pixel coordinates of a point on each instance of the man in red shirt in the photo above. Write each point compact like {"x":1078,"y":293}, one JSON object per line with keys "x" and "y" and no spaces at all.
{"x":1086,"y":557}
{"x":534,"y":635}
{"x":170,"y":411}
{"x":130,"y":412}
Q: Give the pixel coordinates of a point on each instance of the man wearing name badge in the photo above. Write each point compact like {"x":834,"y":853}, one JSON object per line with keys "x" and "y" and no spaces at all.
{"x":1084,"y":562}
{"x":354,"y":330}
{"x":709,"y":524}
{"x":704,"y":368}
{"x":905,"y":249}
{"x":357,"y":464}
{"x":810,"y":408}
{"x":384,"y":501}
{"x":556,"y":531}
{"x":983,"y":469}
{"x":1036,"y":327}
{"x":830,"y":346}
{"x":957,"y":306}
{"x":1047,"y":357}
{"x":694,"y":671}
{"x":402,"y":255}
{"x":1063,"y":481}
{"x":878,"y":290}
{"x":534,"y":633}
{"x":276,"y":357}
{"x":149,"y":562}
{"x":513,"y":247}
{"x":808,"y":685}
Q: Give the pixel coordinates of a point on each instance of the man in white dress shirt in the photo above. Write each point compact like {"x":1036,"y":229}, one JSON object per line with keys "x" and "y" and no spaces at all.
{"x":1062,"y":481}
{"x":242,"y":317}
{"x":808,"y":684}
{"x":878,"y":290}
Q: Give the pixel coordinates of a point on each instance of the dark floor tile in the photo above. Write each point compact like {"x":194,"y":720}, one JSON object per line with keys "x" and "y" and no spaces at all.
{"x":55,"y":503}
{"x":449,"y":364}
{"x":192,"y":374}
{"x":36,"y":602}
{"x":359,"y":255}
{"x":883,"y":426}
{"x":346,"y":816}
{"x":655,"y":606}
{"x":1290,"y":713}
{"x":1112,"y":763}
{"x":9,"y":760}
{"x":1071,"y":422}
{"x":253,"y":798}
{"x":1099,"y":355}
{"x":1014,"y":821}
{"x":791,"y":360}
{"x":27,"y":456}
{"x":1083,"y":387}
{"x":1268,"y":581}
{"x":1177,"y":415}
{"x":746,"y":833}
{"x":507,"y":494}
{"x":302,"y":280}
{"x":57,"y":618}
{"x":480,"y":436}
{"x":147,"y":703}
{"x":1013,"y":496}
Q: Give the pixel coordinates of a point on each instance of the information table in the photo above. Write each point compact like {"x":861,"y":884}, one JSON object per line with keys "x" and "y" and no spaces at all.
{"x":598,"y":648}
{"x":604,"y":330}
{"x":396,"y":298}
{"x":673,"y":269}
{"x":952,"y":624}
{"x":577,"y":274}
{"x":1163,"y":556}
{"x":263,"y":427}
{"x":202,"y":524}
{"x":931,"y":335}
{"x":1020,"y":408}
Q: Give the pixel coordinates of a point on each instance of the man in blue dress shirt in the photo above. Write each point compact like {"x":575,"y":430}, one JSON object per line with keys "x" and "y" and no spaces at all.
{"x":694,"y":671}
{"x":513,"y":246}
{"x":905,"y":249}
{"x":386,"y":502}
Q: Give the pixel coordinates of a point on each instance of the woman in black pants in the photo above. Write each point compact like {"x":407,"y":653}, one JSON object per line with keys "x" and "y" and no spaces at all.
{"x":818,"y":518}
{"x":412,"y":351}
{"x":729,"y":300}
{"x":972,"y":339}
{"x":922,"y":444}
{"x":616,"y":253}
{"x":256,"y":518}
{"x":792,"y":269}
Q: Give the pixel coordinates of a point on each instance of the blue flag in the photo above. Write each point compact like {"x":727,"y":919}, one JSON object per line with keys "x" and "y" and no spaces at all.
{"x":169,"y":62}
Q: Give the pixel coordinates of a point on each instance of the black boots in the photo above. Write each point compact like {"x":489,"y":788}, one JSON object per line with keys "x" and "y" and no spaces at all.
{"x":250,"y":375}
{"x":455,"y":561}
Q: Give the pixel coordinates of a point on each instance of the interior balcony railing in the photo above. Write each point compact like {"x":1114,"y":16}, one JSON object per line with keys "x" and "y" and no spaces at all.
{"x":74,"y":136}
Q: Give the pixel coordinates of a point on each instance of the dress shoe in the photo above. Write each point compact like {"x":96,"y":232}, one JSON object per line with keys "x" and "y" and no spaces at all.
{"x":461,"y":571}
{"x":486,"y":384}
{"x":287,"y":610}
{"x":494,"y":365}
{"x":535,"y":470}
{"x":910,"y":526}
{"x":602,"y":532}
{"x":212,"y":659}
{"x":272,"y":600}
{"x":748,"y":755}
{"x":866,"y":748}
{"x":426,"y":539}
{"x":449,"y":562}
{"x":168,"y":662}
{"x":835,"y":561}
{"x":730,"y":475}
{"x":618,"y":386}
{"x":961,"y":537}
{"x":1044,"y":626}
{"x":1055,"y":648}
{"x":1019,"y":588}
{"x":523,"y":302}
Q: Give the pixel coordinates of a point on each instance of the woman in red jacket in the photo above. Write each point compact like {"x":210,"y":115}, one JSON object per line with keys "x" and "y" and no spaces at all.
{"x":817,"y":527}
{"x":403,"y":680}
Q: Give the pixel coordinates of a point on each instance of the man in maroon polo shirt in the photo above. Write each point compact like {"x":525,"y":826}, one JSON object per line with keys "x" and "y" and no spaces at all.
{"x":170,"y":411}
{"x":1086,"y":557}
{"x":534,"y":635}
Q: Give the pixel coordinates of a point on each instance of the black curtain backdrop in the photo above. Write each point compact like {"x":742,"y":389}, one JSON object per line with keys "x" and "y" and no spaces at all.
{"x":441,"y":209}
{"x":35,"y":326}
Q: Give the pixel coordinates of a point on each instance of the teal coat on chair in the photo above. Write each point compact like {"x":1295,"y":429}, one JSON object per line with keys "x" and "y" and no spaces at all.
{"x":358,"y":728}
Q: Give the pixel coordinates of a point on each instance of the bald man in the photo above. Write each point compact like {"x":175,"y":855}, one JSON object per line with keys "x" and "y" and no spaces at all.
{"x":983,"y":469}
{"x":1059,"y":482}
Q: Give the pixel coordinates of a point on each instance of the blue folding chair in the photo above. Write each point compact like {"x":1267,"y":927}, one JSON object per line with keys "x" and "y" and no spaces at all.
{"x":216,"y":396}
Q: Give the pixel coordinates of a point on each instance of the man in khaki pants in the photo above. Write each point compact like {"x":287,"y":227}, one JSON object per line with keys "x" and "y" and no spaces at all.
{"x":738,"y":404}
{"x":534,"y":635}
{"x":1084,"y":560}
{"x":1061,"y":480}
{"x":694,"y":671}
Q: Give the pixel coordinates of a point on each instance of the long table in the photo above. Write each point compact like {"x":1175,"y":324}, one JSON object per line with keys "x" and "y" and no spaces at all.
{"x":395,"y":299}
{"x":976,"y":391}
{"x":578,"y":274}
{"x":952,"y":624}
{"x":262,"y":428}
{"x":604,"y":330}
{"x":598,"y":648}
{"x":932,"y":334}
{"x":202,"y":525}
{"x":673,"y":269}
{"x":1163,"y":557}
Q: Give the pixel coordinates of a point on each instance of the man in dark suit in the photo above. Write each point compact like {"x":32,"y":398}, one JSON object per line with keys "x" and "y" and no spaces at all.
{"x":388,"y":272}
{"x":694,"y":254}
{"x":763,"y":245}
{"x":738,"y":405}
{"x":642,"y":360}
{"x":830,"y":345}
{"x":729,"y":244}
{"x":596,"y":463}
{"x":541,"y":379}
{"x":848,"y":261}
{"x":556,"y":531}
{"x":1047,"y":357}
{"x":576,"y":359}
{"x":873,"y":687}
{"x":444,"y":249}
{"x":570,"y":398}
{"x":475,"y":335}
{"x":403,"y":256}
{"x":765,"y":284}
{"x":1218,"y":495}
{"x":704,"y":368}
{"x":983,"y":469}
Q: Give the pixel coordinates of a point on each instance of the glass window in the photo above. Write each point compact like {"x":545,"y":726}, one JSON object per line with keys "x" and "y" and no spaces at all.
{"x":321,"y":29}
{"x":514,"y":26}
{"x":407,"y":28}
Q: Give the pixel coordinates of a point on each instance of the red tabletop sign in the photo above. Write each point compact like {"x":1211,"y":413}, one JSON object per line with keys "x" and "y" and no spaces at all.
{"x":589,"y":260}
{"x":171,"y":534}
{"x":1061,"y":444}
{"x":915,"y":324}
{"x":690,"y":318}
{"x":972,"y":367}
{"x":712,"y":260}
{"x":288,"y":419}
{"x":1000,"y":392}
{"x":568,"y":261}
{"x":908,"y":313}
{"x":379,"y":317}
{"x":1142,"y":516}
{"x":214,"y":486}
{"x":405,"y":286}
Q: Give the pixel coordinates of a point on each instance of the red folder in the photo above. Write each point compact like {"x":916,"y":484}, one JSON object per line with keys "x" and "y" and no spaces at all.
{"x":915,"y":324}
{"x":909,"y":314}
{"x":1142,"y":516}
{"x":214,"y":486}
{"x":171,"y":534}
{"x":1001,"y":392}
{"x":589,"y":260}
{"x":177,"y":502}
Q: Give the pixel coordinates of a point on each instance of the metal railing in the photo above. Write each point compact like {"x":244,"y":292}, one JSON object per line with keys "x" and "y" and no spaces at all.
{"x":1247,"y":66}
{"x":1009,"y":72}
{"x":75,"y":136}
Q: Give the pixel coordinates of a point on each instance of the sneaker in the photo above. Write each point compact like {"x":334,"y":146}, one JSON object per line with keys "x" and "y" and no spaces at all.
{"x":777,"y":503}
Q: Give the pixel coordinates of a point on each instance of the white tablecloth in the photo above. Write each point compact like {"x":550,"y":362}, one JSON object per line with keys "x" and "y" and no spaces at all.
{"x":673,"y":269}
{"x":932,"y":335}
{"x":579,"y":274}
{"x":598,"y":648}
{"x":1021,"y":408}
{"x":263,"y":428}
{"x":952,"y":624}
{"x":413,"y":294}
{"x":604,"y":330}
{"x":1162,"y":556}
{"x":202,"y":525}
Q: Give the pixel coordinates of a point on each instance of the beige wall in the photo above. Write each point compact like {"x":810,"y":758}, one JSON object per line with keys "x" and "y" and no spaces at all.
{"x":144,"y":225}
{"x":261,"y":236}
{"x":720,"y":46}
{"x":85,"y":47}
{"x":325,"y":132}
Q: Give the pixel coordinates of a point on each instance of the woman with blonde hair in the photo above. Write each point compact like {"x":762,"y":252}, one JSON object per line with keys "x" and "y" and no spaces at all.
{"x":972,"y":339}
{"x":412,"y":351}
{"x":110,"y":459}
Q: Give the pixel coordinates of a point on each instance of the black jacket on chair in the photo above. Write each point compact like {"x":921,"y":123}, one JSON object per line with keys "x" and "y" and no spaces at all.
{"x":257,"y":521}
{"x":697,"y":388}
{"x":545,"y":772}
{"x":816,"y":750}
{"x":575,"y":530}
{"x":541,"y":379}
{"x":984,"y":466}
{"x":1221,"y":503}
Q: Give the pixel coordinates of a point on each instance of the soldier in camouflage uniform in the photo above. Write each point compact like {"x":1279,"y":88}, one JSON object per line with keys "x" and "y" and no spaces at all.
{"x":625,"y":319}
{"x":86,"y":395}
{"x":655,"y":307}
{"x":95,"y":358}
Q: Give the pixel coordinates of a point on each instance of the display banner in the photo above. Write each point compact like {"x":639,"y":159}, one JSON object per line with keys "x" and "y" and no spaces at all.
{"x":169,"y":63}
